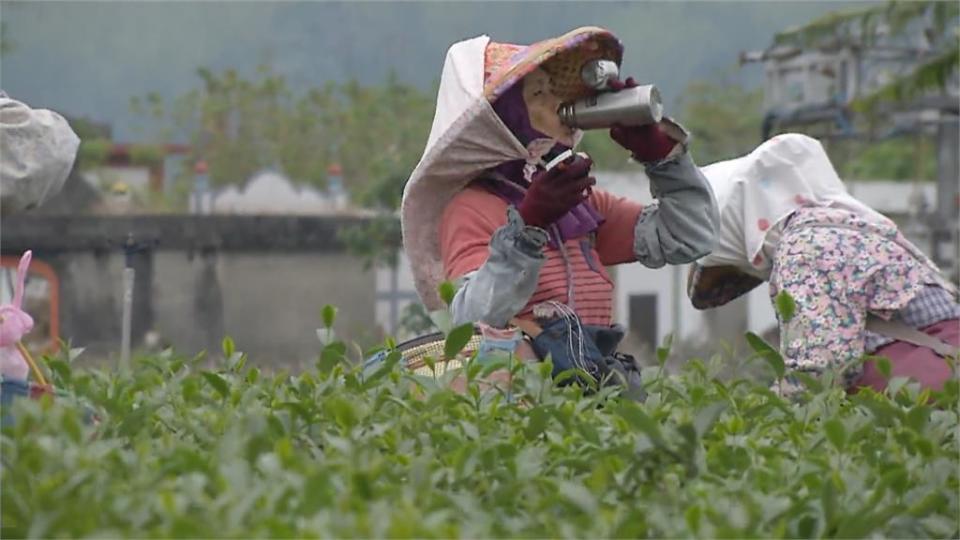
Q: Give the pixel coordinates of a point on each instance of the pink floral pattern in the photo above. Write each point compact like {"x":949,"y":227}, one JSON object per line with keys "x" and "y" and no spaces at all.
{"x":507,"y":63}
{"x":836,"y":276}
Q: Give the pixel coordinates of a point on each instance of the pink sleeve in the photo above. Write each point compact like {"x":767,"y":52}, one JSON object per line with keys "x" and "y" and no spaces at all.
{"x":615,"y":236}
{"x":466,"y":228}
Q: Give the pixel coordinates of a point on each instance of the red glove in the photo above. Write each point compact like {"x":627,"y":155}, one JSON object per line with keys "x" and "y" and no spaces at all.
{"x":555,"y":192}
{"x":647,"y":143}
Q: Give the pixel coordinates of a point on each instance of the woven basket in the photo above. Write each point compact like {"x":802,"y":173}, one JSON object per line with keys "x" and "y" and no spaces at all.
{"x":416,"y":351}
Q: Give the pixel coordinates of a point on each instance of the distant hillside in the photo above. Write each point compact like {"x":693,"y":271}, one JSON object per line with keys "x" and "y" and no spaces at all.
{"x":89,"y":58}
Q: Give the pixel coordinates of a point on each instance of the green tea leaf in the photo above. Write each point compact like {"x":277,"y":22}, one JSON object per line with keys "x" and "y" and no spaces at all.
{"x":328,"y":315}
{"x":663,"y":351}
{"x":692,"y":517}
{"x":641,"y":421}
{"x":579,"y":495}
{"x":883,"y":366}
{"x":931,"y":503}
{"x":828,"y":501}
{"x":457,"y":339}
{"x":389,"y":363}
{"x":785,"y":305}
{"x":917,"y":418}
{"x":768,"y":353}
{"x":217,"y":382}
{"x":442,"y":319}
{"x":348,"y":451}
{"x":537,"y":420}
{"x":331,"y":356}
{"x":707,"y":417}
{"x":836,"y":433}
{"x":812,"y":383}
{"x":447,"y":291}
{"x":896,"y":384}
{"x":228,"y":347}
{"x":60,"y":369}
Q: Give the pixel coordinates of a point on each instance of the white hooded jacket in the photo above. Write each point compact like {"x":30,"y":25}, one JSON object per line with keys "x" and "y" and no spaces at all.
{"x":468,"y":138}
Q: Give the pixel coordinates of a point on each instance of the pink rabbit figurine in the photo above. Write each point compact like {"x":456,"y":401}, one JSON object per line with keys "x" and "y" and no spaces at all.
{"x":14,"y":324}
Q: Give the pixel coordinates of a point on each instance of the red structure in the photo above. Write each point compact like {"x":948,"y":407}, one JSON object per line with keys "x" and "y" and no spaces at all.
{"x":121,"y":155}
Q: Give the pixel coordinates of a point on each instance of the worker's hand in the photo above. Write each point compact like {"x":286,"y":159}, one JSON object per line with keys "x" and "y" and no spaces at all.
{"x":647,"y":143}
{"x":555,"y":192}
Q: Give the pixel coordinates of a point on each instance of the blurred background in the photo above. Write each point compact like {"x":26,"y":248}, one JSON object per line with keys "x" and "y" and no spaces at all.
{"x":246,"y":159}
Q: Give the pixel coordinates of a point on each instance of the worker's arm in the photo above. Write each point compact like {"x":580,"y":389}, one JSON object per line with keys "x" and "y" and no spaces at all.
{"x":38,"y":149}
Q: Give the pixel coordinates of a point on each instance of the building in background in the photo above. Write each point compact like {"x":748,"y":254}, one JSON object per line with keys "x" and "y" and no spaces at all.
{"x":883,"y":73}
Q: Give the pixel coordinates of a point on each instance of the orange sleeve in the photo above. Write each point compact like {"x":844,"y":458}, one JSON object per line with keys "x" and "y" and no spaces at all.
{"x":615,"y":236}
{"x":467,"y":225}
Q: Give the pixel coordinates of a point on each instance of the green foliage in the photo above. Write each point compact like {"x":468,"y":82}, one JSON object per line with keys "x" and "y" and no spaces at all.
{"x":786,"y":306}
{"x":146,"y":154}
{"x":933,"y":74}
{"x":816,"y":31}
{"x":767,"y":352}
{"x":724,"y":119}
{"x":93,"y":153}
{"x":328,"y":315}
{"x":375,"y":242}
{"x":607,"y":155}
{"x":447,"y":292}
{"x":457,"y":339}
{"x":893,"y":159}
{"x":863,"y":27}
{"x":183,"y":450}
{"x":240,"y":125}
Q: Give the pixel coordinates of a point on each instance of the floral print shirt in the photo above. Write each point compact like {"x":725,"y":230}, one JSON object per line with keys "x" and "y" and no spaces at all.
{"x":837,"y":275}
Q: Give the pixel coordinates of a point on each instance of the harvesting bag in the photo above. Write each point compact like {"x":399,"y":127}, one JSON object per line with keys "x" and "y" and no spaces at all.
{"x":592,"y":349}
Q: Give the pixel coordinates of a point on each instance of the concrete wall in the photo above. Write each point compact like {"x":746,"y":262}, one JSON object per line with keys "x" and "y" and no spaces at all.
{"x":198,"y":281}
{"x":268,"y":303}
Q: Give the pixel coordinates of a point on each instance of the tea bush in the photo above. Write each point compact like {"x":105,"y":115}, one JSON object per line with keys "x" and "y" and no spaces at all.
{"x":184,"y":451}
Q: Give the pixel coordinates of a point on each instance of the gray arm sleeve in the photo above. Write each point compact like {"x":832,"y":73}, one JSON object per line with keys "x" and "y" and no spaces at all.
{"x":500,"y":288}
{"x":38,"y":149}
{"x":682,"y":225}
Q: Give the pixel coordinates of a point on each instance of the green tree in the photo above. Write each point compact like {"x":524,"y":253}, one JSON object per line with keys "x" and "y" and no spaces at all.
{"x":606,"y":154}
{"x":723,"y":117}
{"x":240,"y":125}
{"x":924,"y":34}
{"x":892,"y":23}
{"x":901,"y":158}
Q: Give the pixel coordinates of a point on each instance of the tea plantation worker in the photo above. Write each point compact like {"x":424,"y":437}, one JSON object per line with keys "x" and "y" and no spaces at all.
{"x":858,"y":284}
{"x":523,"y":243}
{"x":37,"y":151}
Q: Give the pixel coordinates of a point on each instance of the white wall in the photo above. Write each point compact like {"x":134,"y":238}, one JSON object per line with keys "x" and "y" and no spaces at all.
{"x":404,"y":295}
